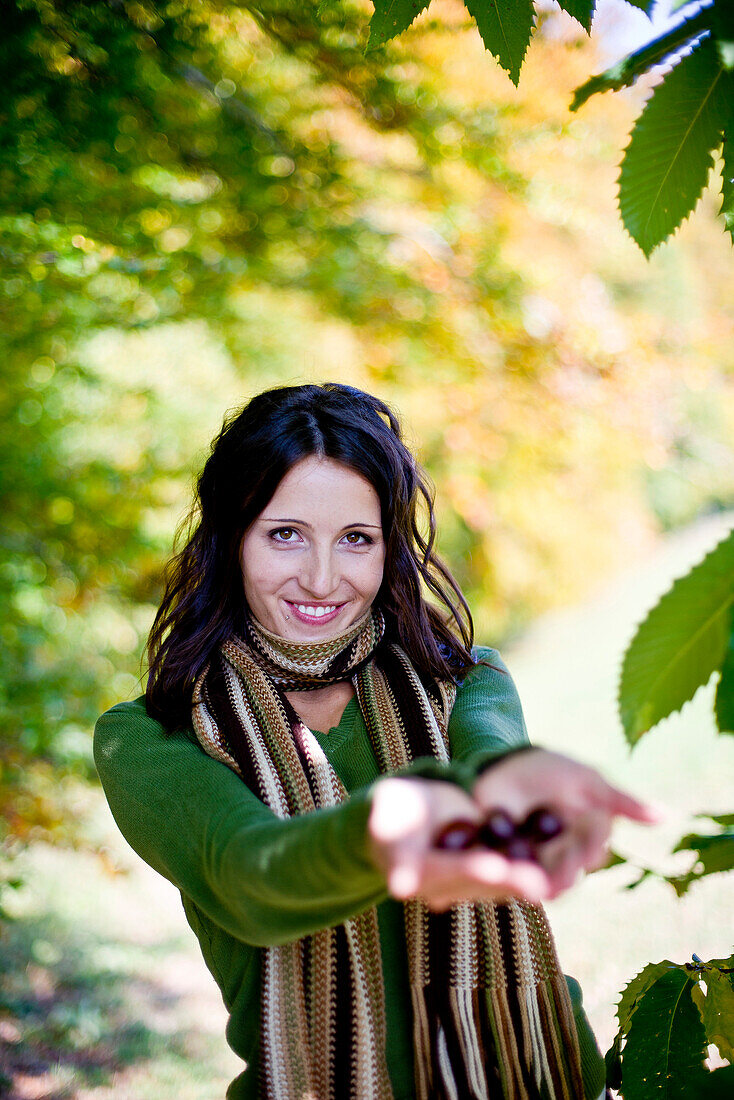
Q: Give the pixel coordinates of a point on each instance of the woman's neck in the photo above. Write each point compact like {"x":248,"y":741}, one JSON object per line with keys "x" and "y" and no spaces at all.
{"x":322,"y":708}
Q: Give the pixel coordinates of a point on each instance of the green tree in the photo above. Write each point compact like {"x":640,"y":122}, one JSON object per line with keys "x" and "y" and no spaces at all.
{"x":164,"y":164}
{"x":240,"y":180}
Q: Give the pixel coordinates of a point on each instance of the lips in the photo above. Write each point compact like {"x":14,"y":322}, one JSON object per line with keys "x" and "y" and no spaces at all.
{"x":314,"y":613}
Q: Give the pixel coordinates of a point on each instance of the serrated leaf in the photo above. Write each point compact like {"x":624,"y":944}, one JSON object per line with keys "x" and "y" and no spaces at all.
{"x":716,"y":1010}
{"x":636,"y":988}
{"x":626,"y":71}
{"x":643,"y":5}
{"x":727,"y":168}
{"x":666,"y":1043}
{"x":391,"y":18}
{"x":580,"y":10}
{"x":506,"y":27}
{"x":680,"y":643}
{"x":723,"y":964}
{"x":667,"y":162}
{"x":724,"y":702}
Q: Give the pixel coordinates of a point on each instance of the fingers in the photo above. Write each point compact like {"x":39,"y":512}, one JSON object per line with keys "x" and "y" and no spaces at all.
{"x":581,"y":848}
{"x":443,"y":879}
{"x":528,"y":780}
{"x":408,"y":814}
{"x":624,"y":805}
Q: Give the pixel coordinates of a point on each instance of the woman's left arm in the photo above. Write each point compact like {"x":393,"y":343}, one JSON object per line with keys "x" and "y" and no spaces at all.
{"x":487,"y":719}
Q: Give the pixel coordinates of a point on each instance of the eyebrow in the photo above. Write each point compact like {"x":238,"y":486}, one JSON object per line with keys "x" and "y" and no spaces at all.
{"x":302,"y":522}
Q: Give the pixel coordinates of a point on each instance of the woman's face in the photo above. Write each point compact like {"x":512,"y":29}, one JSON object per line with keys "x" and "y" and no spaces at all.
{"x":312,"y":561}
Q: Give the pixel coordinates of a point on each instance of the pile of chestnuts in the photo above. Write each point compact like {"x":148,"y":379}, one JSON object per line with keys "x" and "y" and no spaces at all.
{"x":498,"y":831}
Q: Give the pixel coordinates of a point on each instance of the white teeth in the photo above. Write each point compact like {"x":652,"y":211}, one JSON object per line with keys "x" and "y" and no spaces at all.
{"x":315,"y":612}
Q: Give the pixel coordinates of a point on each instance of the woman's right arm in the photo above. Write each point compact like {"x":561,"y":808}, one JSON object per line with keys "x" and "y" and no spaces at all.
{"x":264,"y":880}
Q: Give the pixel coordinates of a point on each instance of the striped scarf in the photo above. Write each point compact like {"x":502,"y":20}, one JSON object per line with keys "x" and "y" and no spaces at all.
{"x":492,"y":1016}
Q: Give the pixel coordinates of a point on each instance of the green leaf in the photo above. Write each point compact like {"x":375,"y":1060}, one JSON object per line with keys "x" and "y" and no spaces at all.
{"x":625,"y":71}
{"x":681,"y":883}
{"x":718,"y":1085}
{"x":716,"y":1009}
{"x":722,"y":24}
{"x":645,"y":873}
{"x":391,"y":18}
{"x":667,"y":162}
{"x":724,"y":703}
{"x":727,"y":168}
{"x":613,"y":1063}
{"x":581,"y":10}
{"x":643,"y":5}
{"x":614,"y":859}
{"x":505,"y":27}
{"x":666,"y":1043}
{"x":716,"y":853}
{"x":721,"y":819}
{"x":636,"y":989}
{"x":680,"y":643}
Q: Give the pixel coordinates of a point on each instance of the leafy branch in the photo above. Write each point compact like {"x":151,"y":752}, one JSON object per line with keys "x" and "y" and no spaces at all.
{"x":669,"y":1015}
{"x":714,"y":853}
{"x":688,"y":119}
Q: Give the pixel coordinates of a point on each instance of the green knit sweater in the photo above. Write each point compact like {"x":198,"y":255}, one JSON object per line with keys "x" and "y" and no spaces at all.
{"x":249,"y":880}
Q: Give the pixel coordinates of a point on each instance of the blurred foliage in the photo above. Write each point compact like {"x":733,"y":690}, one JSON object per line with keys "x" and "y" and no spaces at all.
{"x":199,"y":199}
{"x":713,"y":854}
{"x":687,"y":122}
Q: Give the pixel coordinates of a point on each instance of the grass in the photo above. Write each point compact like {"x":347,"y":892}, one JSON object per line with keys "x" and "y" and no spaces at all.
{"x":103,"y":993}
{"x":566,"y":669}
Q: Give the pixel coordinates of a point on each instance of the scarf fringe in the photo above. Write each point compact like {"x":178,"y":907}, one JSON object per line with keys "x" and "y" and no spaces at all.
{"x":470,"y":1045}
{"x":492,"y":1016}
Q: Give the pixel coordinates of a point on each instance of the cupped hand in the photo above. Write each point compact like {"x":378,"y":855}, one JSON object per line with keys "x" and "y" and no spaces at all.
{"x":406,"y":817}
{"x":577,"y":794}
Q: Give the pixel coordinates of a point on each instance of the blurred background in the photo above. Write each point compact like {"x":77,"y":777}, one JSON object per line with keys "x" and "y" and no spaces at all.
{"x":199,"y":200}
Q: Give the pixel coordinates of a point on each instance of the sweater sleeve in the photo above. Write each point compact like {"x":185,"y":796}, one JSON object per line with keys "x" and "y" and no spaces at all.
{"x":264,"y":880}
{"x":487,"y":719}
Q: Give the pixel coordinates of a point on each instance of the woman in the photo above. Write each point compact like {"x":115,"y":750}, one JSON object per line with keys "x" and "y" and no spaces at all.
{"x":295,"y":646}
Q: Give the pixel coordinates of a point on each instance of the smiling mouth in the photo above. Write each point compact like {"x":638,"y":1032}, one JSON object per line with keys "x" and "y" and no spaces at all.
{"x":313,"y":612}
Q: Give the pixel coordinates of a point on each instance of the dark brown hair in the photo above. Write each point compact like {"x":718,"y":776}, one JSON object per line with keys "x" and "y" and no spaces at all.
{"x":203,"y":603}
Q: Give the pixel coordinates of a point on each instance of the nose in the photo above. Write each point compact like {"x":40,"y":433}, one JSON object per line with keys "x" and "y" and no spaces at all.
{"x":319,"y":575}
